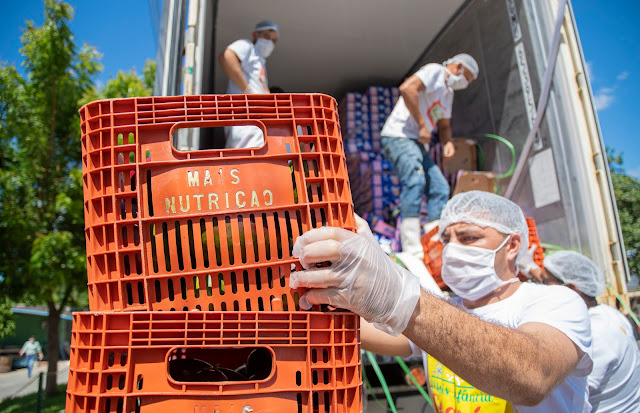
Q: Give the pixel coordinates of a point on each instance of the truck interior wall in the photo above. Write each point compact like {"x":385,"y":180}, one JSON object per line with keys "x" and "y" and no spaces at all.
{"x":496,"y":104}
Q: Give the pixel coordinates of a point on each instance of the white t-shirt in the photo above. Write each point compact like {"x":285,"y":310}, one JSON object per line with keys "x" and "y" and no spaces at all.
{"x":255,"y":72}
{"x":436,"y":101}
{"x":253,"y":67}
{"x":614,"y":383}
{"x":561,"y":308}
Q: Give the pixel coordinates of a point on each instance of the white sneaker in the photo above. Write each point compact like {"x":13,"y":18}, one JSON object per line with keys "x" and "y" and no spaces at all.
{"x":410,"y":236}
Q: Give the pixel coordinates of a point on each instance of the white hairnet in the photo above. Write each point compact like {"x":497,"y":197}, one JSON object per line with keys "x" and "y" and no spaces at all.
{"x":266,"y":25}
{"x":573,"y":267}
{"x":467,"y":61}
{"x":485,"y":209}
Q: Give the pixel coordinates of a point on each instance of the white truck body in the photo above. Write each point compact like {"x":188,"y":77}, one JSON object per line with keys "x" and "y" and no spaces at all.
{"x":336,"y":46}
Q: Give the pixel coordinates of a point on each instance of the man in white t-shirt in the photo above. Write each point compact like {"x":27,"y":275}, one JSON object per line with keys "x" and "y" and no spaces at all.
{"x":614,"y":383}
{"x":424,"y":106}
{"x":525,"y":343}
{"x":244,"y":62}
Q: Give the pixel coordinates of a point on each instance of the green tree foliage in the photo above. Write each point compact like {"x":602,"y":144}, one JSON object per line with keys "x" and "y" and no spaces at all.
{"x":7,"y":324}
{"x":627,"y":192}
{"x":126,"y":84}
{"x":42,"y":246}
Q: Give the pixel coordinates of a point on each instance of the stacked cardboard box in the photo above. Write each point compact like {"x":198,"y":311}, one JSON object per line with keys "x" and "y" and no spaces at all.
{"x":375,"y":188}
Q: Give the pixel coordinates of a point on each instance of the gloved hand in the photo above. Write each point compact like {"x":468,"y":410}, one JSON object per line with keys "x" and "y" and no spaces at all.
{"x":361,"y":277}
{"x":362,"y":227}
{"x":527,"y":265}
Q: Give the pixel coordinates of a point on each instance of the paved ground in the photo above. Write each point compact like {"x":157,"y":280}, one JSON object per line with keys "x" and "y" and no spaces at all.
{"x":11,"y":382}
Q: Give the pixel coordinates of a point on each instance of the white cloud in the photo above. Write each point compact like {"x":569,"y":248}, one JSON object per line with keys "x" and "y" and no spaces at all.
{"x":604,"y":98}
{"x":635,"y":172}
{"x":623,"y":75}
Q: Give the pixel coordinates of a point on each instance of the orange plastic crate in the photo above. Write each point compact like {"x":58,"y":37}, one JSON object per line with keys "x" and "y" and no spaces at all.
{"x":206,"y":230}
{"x":534,"y":239}
{"x":433,"y":256}
{"x":122,"y":362}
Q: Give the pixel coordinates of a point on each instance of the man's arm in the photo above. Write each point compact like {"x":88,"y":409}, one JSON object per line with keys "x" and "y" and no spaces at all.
{"x":382,"y":343}
{"x":231,"y":65}
{"x":444,"y":131}
{"x":522,"y":366}
{"x":409,"y":89}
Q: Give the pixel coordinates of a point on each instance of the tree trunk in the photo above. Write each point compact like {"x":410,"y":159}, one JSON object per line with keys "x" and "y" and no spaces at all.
{"x":53,"y":353}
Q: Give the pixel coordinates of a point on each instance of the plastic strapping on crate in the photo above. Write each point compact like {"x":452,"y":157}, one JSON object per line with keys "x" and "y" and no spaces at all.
{"x":122,"y":362}
{"x":206,"y":230}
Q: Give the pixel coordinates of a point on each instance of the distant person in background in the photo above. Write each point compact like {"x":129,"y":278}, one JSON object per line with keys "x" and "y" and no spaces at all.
{"x":614,"y":383}
{"x":425,"y":105}
{"x":31,"y":348}
{"x":244,"y":62}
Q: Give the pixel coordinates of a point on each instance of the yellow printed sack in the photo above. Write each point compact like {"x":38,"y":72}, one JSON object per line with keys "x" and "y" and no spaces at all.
{"x":451,"y":394}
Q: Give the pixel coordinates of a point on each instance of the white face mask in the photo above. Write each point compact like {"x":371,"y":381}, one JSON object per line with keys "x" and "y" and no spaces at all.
{"x":264,"y":47}
{"x":470,"y":271}
{"x":457,"y":82}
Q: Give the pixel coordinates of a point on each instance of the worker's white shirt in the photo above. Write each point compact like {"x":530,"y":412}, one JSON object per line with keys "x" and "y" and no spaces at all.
{"x":254,"y":68}
{"x":436,"y":101}
{"x":255,"y":73}
{"x":561,"y":308}
{"x":614,"y":383}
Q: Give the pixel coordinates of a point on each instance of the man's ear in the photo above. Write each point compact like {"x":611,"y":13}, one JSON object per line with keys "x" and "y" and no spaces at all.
{"x":459,"y":69}
{"x":513,"y":246}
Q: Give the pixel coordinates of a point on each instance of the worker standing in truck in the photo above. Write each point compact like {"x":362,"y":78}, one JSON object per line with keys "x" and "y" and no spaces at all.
{"x":525,"y":343}
{"x":424,"y":106}
{"x":244,"y":62}
{"x":614,"y":383}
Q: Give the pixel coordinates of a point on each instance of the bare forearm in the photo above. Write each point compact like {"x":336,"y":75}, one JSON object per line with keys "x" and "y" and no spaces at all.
{"x":382,"y":343}
{"x":231,"y":66}
{"x":445,"y":133}
{"x":500,"y":361}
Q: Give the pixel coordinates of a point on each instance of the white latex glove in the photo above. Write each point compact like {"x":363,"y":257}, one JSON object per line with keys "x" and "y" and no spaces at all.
{"x":527,"y":266}
{"x":361,"y":277}
{"x":362,"y":227}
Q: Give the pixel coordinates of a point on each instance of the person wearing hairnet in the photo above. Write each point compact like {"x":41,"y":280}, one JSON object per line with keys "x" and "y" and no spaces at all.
{"x":244,"y":62}
{"x":614,"y":383}
{"x":529,"y":344}
{"x":424,"y":106}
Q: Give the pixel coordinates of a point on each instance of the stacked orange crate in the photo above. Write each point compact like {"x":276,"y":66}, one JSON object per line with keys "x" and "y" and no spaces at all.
{"x":189,"y":256}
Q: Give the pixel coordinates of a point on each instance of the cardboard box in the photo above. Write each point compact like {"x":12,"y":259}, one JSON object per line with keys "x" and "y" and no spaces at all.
{"x":465,"y":158}
{"x":475,"y":180}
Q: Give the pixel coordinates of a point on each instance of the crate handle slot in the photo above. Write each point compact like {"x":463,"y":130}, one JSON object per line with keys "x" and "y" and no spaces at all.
{"x":217,"y":124}
{"x":219,"y":364}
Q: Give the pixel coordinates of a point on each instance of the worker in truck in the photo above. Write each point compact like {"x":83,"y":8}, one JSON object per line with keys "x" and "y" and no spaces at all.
{"x":526,"y":343}
{"x":425,"y":105}
{"x":614,"y":383}
{"x":244,"y":62}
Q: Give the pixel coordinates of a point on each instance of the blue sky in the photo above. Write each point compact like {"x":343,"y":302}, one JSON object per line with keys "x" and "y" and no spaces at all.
{"x":120,"y":29}
{"x":123,"y":32}
{"x":610,"y":36}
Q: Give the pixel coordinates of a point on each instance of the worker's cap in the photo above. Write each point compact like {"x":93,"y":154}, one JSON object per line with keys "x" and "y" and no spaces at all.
{"x":266,"y":25}
{"x":485,"y":209}
{"x":573,"y":267}
{"x":467,"y":61}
